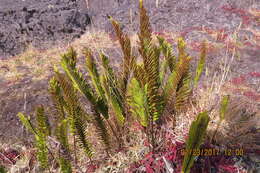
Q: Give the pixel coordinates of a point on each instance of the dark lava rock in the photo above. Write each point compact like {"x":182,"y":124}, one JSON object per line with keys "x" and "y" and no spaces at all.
{"x":24,"y":22}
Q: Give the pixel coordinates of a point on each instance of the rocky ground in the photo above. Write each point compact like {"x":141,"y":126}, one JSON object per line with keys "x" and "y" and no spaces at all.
{"x":229,"y":26}
{"x":38,"y":22}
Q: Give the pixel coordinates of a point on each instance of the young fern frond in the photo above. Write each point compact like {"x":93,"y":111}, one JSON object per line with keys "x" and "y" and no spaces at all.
{"x":64,"y":155}
{"x":138,"y":102}
{"x":65,"y":165}
{"x":181,"y":48}
{"x":201,"y":65}
{"x":196,"y":135}
{"x":173,"y":82}
{"x":42,"y":122}
{"x":57,"y":99}
{"x":128,"y":59}
{"x":43,"y":130}
{"x":145,"y":26}
{"x":110,"y":85}
{"x":42,"y":151}
{"x":76,"y":113}
{"x":151,"y":67}
{"x":79,"y":127}
{"x":183,"y":94}
{"x":167,"y":52}
{"x":93,"y":72}
{"x":82,"y":86}
{"x":113,"y":101}
{"x":40,"y":138}
{"x":139,"y":73}
{"x":27,"y":123}
{"x":102,"y":130}
{"x":61,"y":130}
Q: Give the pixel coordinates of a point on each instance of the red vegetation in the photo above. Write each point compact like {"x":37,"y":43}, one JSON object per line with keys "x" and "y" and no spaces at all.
{"x":247,"y":18}
{"x":172,"y":154}
{"x":239,"y":80}
{"x":9,"y":156}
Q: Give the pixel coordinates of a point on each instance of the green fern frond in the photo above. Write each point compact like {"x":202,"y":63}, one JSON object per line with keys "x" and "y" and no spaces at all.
{"x":102,"y":130}
{"x":79,"y":127}
{"x":145,"y":26}
{"x":196,"y":135}
{"x":42,"y":122}
{"x":93,"y":72}
{"x":82,"y":86}
{"x":27,"y":123}
{"x":128,"y":59}
{"x":61,"y":133}
{"x":223,"y":107}
{"x":111,"y":87}
{"x":167,"y":52}
{"x":139,"y":73}
{"x":2,"y":169}
{"x":113,"y":100}
{"x":138,"y":102}
{"x":183,"y":94}
{"x":40,"y":138}
{"x":65,"y":165}
{"x":201,"y":65}
{"x":75,"y":111}
{"x":163,"y":71}
{"x":42,"y":150}
{"x":71,"y":56}
{"x":151,"y":66}
{"x":77,"y":78}
{"x":181,"y":48}
{"x":175,"y":78}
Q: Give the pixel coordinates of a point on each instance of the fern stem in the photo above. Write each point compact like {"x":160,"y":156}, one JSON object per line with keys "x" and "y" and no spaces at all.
{"x":114,"y":132}
{"x":75,"y":149}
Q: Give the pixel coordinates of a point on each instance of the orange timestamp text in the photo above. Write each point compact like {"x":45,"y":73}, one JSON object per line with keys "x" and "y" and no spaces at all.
{"x":213,"y":152}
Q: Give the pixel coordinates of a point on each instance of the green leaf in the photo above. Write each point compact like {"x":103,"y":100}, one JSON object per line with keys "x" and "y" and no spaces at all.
{"x":43,"y":122}
{"x":27,"y":123}
{"x":196,"y":135}
{"x":224,"y":106}
{"x":167,"y":52}
{"x":201,"y":65}
{"x":138,"y":102}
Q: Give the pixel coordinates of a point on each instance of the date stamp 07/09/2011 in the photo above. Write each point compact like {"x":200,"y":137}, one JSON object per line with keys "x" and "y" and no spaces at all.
{"x":213,"y":152}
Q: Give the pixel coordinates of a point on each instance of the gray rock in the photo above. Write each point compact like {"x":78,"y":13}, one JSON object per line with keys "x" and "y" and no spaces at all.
{"x":24,"y":22}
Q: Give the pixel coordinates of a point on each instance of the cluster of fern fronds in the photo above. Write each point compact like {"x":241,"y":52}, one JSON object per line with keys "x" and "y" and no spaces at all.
{"x":147,"y":91}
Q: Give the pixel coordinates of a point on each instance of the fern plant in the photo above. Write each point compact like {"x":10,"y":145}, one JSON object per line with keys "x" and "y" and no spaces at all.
{"x":196,"y":136}
{"x":61,"y":124}
{"x":157,"y":87}
{"x":41,"y":132}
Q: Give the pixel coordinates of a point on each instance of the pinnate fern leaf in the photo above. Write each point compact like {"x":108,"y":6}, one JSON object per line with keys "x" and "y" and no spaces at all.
{"x":201,"y":65}
{"x":175,"y":78}
{"x":76,"y":113}
{"x":82,"y":86}
{"x":93,"y":72}
{"x":138,"y":102}
{"x":196,"y":135}
{"x":167,"y":52}
{"x":128,"y":59}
